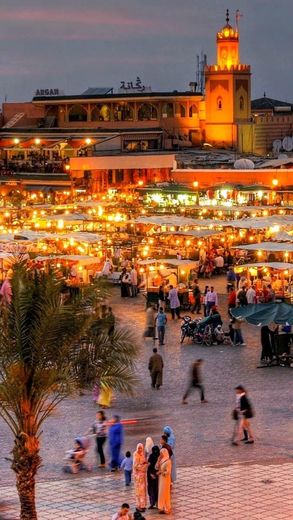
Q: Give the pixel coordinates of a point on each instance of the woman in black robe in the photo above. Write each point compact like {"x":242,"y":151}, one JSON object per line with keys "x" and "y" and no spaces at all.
{"x":152,"y":477}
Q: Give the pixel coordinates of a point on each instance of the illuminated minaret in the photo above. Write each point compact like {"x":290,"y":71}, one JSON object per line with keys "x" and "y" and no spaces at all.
{"x":228,"y":94}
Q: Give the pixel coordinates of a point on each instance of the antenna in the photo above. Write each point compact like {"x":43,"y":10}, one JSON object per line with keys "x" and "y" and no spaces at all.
{"x":201,"y":62}
{"x":238,"y":16}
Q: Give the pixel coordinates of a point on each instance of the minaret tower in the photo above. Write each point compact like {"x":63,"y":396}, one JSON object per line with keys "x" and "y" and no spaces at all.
{"x":228,"y":94}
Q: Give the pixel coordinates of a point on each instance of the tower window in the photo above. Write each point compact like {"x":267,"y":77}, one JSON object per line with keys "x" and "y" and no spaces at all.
{"x":241,"y":103}
{"x":193,"y":111}
{"x":219,"y":103}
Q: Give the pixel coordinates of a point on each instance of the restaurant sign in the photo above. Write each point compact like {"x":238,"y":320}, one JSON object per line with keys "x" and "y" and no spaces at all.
{"x":47,"y":92}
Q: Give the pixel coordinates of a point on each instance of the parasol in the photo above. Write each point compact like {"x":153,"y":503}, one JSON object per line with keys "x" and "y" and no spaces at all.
{"x":265,"y":313}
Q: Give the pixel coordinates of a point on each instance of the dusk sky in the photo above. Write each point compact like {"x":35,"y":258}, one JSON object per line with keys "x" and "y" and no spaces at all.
{"x":75,"y":44}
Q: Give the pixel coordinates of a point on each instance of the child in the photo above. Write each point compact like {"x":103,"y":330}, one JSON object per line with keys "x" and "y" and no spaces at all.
{"x":127,"y":464}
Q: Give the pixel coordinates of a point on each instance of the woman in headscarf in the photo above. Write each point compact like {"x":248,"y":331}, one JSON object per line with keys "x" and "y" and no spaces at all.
{"x":164,"y":471}
{"x":171,"y":441}
{"x":152,"y":476}
{"x":140,"y":466}
{"x":149,"y":443}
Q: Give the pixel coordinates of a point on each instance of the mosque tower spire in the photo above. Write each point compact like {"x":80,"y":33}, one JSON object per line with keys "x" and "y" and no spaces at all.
{"x":228,"y":45}
{"x":228,"y":93}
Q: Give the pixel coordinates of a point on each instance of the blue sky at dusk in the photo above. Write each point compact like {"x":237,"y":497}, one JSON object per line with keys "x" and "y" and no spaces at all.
{"x":74,"y":44}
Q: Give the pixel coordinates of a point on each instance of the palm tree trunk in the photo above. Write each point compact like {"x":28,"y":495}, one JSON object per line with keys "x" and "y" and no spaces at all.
{"x":26,"y":461}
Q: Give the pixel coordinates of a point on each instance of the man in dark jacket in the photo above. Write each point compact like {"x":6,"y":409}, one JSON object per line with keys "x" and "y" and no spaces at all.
{"x":156,"y":366}
{"x":195,"y":381}
{"x":197,"y":298}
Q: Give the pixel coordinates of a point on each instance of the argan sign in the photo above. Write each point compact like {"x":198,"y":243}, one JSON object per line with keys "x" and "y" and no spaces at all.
{"x":47,"y":92}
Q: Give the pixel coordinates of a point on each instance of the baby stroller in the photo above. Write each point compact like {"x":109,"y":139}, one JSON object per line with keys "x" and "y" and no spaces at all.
{"x":75,"y":457}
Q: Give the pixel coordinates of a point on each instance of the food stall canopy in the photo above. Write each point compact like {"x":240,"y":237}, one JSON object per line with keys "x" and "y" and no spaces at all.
{"x":82,"y":236}
{"x":81,"y":259}
{"x":195,"y":233}
{"x":282,"y":237}
{"x":148,"y":261}
{"x":25,"y":235}
{"x":265,"y":313}
{"x":279,"y":266}
{"x":267,"y":246}
{"x":189,"y":264}
{"x":260,"y":222}
{"x":70,"y":217}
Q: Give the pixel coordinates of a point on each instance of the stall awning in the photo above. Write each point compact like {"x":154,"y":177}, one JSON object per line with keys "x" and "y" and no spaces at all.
{"x":279,"y":266}
{"x":267,"y":246}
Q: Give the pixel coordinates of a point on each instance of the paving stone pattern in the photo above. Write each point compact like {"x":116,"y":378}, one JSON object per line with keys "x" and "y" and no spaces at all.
{"x":234,"y":492}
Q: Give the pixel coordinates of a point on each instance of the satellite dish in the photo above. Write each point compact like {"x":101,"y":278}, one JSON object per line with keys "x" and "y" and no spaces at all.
{"x":244,"y":164}
{"x":277,"y":145}
{"x":287,"y":144}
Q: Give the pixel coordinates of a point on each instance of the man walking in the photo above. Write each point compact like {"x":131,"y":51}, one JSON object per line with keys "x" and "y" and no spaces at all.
{"x":197,"y":298}
{"x":133,"y":279}
{"x":195,"y":381}
{"x":156,"y":365}
{"x":174,"y":302}
{"x":211,"y":300}
{"x":161,"y":320}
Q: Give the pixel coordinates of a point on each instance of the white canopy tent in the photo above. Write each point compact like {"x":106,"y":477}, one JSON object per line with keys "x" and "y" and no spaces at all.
{"x":279,"y":266}
{"x":267,"y":246}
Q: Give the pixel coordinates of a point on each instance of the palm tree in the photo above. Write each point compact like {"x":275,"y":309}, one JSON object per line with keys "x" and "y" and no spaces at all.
{"x":47,"y":351}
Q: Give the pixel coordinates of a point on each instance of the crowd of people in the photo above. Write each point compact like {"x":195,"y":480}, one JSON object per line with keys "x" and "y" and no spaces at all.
{"x":151,"y":468}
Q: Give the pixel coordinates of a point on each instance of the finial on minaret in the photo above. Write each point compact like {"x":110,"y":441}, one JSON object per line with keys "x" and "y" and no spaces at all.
{"x":227,"y":16}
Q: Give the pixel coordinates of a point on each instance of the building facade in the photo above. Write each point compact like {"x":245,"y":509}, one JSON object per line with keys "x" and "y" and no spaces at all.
{"x":103,"y":138}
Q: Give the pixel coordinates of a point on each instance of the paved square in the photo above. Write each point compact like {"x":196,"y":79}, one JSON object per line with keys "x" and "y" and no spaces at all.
{"x":234,"y":492}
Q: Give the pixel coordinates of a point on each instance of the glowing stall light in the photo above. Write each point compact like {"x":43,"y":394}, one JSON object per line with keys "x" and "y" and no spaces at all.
{"x":100,"y":211}
{"x":260,"y":194}
{"x":259,"y":254}
{"x":275,"y":229}
{"x":224,"y":194}
{"x":162,"y":266}
{"x":60,"y":224}
{"x":275,"y":182}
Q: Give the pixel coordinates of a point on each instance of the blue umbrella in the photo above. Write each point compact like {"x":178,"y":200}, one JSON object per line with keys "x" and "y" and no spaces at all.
{"x":265,"y":313}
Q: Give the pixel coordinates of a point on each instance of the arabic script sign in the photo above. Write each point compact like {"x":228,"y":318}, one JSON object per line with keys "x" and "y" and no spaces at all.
{"x":129,"y":87}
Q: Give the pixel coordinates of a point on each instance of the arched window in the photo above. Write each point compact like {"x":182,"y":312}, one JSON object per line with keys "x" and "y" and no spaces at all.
{"x":182,"y":111}
{"x":193,"y":111}
{"x":241,"y":103}
{"x":146,"y":112}
{"x":219,"y":103}
{"x":168,"y":110}
{"x":101,"y":113}
{"x":123,"y":112}
{"x":77,"y":113}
